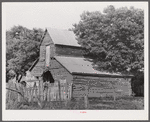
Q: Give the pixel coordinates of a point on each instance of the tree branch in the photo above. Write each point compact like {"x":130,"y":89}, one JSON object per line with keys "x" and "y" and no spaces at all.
{"x":17,"y":92}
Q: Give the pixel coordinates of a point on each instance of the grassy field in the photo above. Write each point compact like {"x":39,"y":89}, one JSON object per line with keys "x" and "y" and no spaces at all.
{"x":127,"y":103}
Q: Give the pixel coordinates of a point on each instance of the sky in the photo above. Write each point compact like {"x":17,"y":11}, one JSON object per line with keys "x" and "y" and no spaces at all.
{"x":61,"y":15}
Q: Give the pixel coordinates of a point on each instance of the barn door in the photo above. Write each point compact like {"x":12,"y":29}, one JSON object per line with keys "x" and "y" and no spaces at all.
{"x":47,"y":77}
{"x":47,"y":62}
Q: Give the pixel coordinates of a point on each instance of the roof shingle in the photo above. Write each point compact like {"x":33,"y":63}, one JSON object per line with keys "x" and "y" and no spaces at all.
{"x":81,"y":65}
{"x":63,"y":37}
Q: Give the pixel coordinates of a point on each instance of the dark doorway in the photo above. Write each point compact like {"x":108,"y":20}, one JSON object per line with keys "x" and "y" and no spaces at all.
{"x":47,"y":77}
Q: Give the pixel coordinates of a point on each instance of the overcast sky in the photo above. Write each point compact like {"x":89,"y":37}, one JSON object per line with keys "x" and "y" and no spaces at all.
{"x":54,"y":14}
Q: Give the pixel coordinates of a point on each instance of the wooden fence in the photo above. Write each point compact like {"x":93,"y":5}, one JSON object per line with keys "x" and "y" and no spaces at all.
{"x":41,"y":92}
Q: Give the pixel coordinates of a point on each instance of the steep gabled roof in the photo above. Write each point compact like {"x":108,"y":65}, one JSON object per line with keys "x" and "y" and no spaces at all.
{"x":63,"y":37}
{"x":83,"y":66}
{"x":37,"y":68}
{"x":33,"y":65}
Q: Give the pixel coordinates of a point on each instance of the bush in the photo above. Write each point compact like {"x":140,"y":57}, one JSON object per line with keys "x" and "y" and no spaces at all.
{"x":137,"y":84}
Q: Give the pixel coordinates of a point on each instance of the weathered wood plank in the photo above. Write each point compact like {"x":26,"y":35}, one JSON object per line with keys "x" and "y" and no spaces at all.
{"x":40,"y":64}
{"x":101,"y":86}
{"x":55,"y":64}
{"x":37,"y":70}
{"x":47,"y":39}
{"x":105,"y":79}
{"x":42,"y":53}
{"x":68,"y":51}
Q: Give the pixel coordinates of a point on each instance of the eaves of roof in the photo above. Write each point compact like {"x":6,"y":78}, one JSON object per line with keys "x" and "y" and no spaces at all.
{"x":34,"y":63}
{"x":81,"y":66}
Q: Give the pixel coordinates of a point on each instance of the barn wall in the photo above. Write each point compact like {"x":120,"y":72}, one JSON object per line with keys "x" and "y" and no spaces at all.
{"x":100,"y":87}
{"x":58,"y":50}
{"x":38,"y":68}
{"x":42,"y":53}
{"x":46,"y":40}
{"x":59,"y":73}
{"x":61,"y":50}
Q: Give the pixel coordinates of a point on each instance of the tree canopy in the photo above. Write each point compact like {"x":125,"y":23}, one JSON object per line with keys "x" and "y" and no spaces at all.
{"x":115,"y":41}
{"x":114,"y":38}
{"x":22,"y":48}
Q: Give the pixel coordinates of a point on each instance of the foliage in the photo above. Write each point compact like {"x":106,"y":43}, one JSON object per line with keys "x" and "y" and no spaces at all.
{"x":114,"y":38}
{"x":22,"y":48}
{"x":138,"y":84}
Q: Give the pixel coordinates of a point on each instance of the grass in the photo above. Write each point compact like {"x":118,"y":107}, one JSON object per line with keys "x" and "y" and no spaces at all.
{"x":122,"y":103}
{"x":51,"y":105}
{"x":133,"y":103}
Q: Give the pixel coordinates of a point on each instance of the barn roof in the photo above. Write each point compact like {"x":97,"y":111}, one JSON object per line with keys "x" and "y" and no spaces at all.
{"x":76,"y":66}
{"x":23,"y":78}
{"x":83,"y":66}
{"x":34,"y":63}
{"x":63,"y":37}
{"x":37,"y":68}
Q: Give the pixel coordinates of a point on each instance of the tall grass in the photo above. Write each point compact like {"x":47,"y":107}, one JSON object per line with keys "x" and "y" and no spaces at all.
{"x":12,"y":101}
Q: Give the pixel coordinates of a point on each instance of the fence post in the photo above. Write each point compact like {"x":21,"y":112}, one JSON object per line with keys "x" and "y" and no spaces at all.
{"x":32,"y":93}
{"x":48,"y":91}
{"x":41,"y":88}
{"x":114,"y":90}
{"x":35,"y":93}
{"x":59,"y":89}
{"x":86,"y":96}
{"x":86,"y":101}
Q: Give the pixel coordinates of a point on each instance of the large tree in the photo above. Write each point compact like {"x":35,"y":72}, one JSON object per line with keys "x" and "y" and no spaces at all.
{"x":22,"y":48}
{"x":114,"y":38}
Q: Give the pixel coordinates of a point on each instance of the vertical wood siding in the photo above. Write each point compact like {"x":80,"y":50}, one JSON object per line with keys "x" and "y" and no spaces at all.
{"x":46,"y":40}
{"x":42,"y":53}
{"x":60,"y":74}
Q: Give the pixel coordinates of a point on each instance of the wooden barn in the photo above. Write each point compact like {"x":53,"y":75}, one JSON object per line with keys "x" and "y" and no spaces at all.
{"x":61,"y":61}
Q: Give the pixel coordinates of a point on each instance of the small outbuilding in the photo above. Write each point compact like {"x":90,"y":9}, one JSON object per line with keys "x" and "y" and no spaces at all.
{"x":61,"y":60}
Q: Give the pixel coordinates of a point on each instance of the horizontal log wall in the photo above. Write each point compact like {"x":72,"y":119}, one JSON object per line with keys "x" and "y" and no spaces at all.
{"x":100,"y":87}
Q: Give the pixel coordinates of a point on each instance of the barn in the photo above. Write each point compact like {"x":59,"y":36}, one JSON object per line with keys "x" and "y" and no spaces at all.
{"x":61,"y":60}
